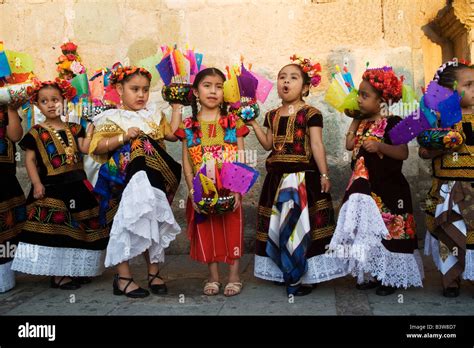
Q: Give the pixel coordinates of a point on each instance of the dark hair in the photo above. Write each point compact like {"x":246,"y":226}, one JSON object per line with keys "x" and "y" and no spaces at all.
{"x":305,"y":76}
{"x":448,"y":76}
{"x":199,"y":77}
{"x":129,"y":77}
{"x":53,"y":86}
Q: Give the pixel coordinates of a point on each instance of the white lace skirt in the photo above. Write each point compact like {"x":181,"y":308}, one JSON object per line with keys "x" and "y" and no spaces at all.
{"x":144,"y":221}
{"x":321,"y":268}
{"x":359,"y":232}
{"x":54,"y":261}
{"x":7,"y":277}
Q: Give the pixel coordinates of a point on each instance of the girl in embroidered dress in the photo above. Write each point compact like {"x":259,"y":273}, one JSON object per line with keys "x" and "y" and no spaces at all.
{"x":12,"y":198}
{"x":62,"y":236}
{"x":450,"y":205}
{"x":376,"y":218}
{"x":137,"y":181}
{"x":213,"y":136}
{"x":295,"y":219}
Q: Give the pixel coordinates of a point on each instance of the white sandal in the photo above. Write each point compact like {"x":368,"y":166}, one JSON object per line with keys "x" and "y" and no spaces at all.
{"x":236,"y":287}
{"x":212,"y":288}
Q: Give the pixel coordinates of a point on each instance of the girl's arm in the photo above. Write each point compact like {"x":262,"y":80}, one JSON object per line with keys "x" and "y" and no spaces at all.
{"x":110,"y":144}
{"x":265,"y":139}
{"x":176,"y":116}
{"x":319,"y":154}
{"x":398,"y":152}
{"x":84,"y":143}
{"x":30,"y":164}
{"x":14,"y":129}
{"x":350,"y":135}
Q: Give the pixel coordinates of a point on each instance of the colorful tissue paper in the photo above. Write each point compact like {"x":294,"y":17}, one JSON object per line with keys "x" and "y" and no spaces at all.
{"x":4,"y":66}
{"x":450,"y":110}
{"x":81,"y":83}
{"x":263,"y":88}
{"x":409,"y":128}
{"x":19,"y":62}
{"x":238,"y":177}
{"x":436,"y":93}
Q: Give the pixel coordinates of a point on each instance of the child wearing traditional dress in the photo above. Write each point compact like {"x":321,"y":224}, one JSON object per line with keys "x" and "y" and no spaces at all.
{"x":12,"y":198}
{"x":137,"y":181}
{"x":376,"y":218}
{"x":213,"y":135}
{"x":295,"y":219}
{"x":62,"y":236}
{"x":450,"y":205}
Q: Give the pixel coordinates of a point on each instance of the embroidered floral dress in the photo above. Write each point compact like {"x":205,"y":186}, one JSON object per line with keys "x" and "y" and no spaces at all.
{"x":376,"y":217}
{"x":12,"y":204}
{"x":450,"y":210}
{"x":136,"y":184}
{"x":217,"y":238}
{"x":295,"y":220}
{"x":62,"y":235}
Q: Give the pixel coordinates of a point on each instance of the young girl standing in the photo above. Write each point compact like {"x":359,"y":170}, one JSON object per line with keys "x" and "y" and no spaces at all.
{"x":12,"y":198}
{"x":213,"y":134}
{"x":137,"y":181}
{"x":295,"y":215}
{"x":376,"y":217}
{"x":450,"y":204}
{"x":62,"y":236}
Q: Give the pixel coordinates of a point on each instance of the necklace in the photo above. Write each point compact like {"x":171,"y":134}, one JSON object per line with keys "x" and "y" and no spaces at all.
{"x":69,"y":150}
{"x":212,"y":130}
{"x":278,"y":143}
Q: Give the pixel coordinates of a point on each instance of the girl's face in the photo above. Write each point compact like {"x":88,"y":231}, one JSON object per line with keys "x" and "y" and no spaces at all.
{"x":465,"y":79}
{"x":290,"y":84}
{"x":210,"y":91}
{"x":50,"y":102}
{"x":368,"y":99}
{"x":134,"y":92}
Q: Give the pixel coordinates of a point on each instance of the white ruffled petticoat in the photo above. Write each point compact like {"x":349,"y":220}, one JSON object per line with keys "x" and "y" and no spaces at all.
{"x":7,"y":277}
{"x":359,"y":233}
{"x":144,"y":221}
{"x":54,"y":261}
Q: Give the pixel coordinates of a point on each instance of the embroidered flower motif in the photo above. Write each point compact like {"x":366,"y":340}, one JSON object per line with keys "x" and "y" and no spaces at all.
{"x":59,"y":217}
{"x":51,"y":148}
{"x":45,"y":136}
{"x":31,"y":213}
{"x":148,"y":147}
{"x":300,"y":133}
{"x":43,"y":213}
{"x":195,"y":153}
{"x":9,"y":219}
{"x":56,"y":162}
{"x":379,"y":128}
{"x":298,"y":148}
{"x":136,"y":144}
{"x":300,"y":118}
{"x":396,"y":227}
{"x":94,"y":224}
{"x":247,"y":113}
{"x":215,"y":150}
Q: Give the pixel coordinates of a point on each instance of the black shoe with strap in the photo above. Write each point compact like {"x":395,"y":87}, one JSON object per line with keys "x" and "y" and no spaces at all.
{"x":451,"y":292}
{"x":70,"y":285}
{"x":157,"y":289}
{"x":383,"y":290}
{"x":371,"y":284}
{"x":137,"y":293}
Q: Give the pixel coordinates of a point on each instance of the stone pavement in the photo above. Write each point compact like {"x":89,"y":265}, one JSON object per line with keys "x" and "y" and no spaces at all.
{"x":33,"y":296}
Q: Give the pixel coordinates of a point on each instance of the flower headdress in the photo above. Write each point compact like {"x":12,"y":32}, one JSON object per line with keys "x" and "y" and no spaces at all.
{"x":385,"y":81}
{"x":70,"y":61}
{"x":121,"y":72}
{"x":453,"y":62}
{"x":67,"y":90}
{"x":311,"y":68}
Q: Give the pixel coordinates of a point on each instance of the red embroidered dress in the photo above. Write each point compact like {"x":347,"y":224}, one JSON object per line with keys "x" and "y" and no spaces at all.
{"x":218,"y":238}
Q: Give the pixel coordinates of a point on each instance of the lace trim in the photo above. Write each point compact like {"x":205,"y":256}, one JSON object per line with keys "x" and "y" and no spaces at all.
{"x":54,"y":261}
{"x":144,"y":221}
{"x":321,"y":268}
{"x":394,"y":269}
{"x":359,"y":227}
{"x":7,"y":277}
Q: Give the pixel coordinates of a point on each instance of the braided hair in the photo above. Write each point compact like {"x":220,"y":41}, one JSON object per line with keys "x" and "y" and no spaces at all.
{"x":199,"y":77}
{"x":446,"y":75}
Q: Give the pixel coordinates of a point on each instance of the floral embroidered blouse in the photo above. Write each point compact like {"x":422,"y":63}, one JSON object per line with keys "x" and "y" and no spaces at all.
{"x":212,"y":140}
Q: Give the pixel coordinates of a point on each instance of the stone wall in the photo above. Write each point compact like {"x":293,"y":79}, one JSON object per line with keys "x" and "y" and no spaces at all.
{"x":265,"y":32}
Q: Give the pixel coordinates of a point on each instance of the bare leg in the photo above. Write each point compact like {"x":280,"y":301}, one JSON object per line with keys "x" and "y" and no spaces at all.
{"x":152,"y":269}
{"x":234,"y":277}
{"x":123,"y":269}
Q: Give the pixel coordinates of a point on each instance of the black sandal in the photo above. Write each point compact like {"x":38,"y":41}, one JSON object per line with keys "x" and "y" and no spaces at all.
{"x":157,"y":289}
{"x":137,"y":293}
{"x":71,"y":285}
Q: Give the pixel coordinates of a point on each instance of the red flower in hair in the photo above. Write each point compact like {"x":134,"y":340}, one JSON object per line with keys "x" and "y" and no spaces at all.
{"x":69,"y":47}
{"x":309,"y":68}
{"x":386,"y":82}
{"x":121,"y":72}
